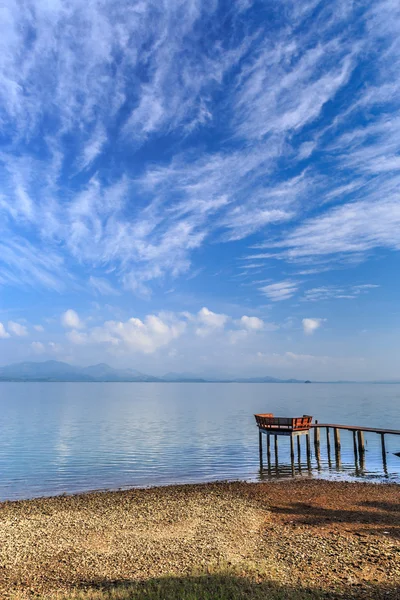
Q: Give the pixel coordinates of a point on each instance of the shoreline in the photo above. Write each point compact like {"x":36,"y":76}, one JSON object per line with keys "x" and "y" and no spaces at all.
{"x":326,"y":537}
{"x":272,"y":481}
{"x":282,"y":480}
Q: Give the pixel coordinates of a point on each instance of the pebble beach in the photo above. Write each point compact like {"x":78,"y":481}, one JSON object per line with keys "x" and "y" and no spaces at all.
{"x":312,"y":538}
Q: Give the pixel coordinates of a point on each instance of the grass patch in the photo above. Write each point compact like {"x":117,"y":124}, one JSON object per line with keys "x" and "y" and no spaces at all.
{"x":227,"y":583}
{"x":202,"y":587}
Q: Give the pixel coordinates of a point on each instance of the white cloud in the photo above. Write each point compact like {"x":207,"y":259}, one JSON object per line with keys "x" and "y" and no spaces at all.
{"x":153,"y":332}
{"x":3,"y":333}
{"x":70,"y":319}
{"x":17,"y":329}
{"x":209,"y":322}
{"x":38,"y":328}
{"x":142,"y":336}
{"x":38,"y":347}
{"x":251,"y":323}
{"x":55,"y":347}
{"x":77,"y":337}
{"x":311,"y":325}
{"x":282,"y":290}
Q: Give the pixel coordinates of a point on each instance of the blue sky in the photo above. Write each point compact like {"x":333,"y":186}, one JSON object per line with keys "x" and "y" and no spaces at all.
{"x":201,"y":185}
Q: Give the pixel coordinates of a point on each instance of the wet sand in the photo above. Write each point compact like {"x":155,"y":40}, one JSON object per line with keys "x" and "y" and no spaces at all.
{"x":338,"y":539}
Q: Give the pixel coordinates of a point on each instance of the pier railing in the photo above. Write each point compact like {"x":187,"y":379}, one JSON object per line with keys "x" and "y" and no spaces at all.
{"x":278,"y":425}
{"x":297,"y":427}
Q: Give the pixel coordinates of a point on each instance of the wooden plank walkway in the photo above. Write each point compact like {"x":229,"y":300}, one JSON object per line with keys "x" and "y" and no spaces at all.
{"x":357,"y":428}
{"x":295,"y":427}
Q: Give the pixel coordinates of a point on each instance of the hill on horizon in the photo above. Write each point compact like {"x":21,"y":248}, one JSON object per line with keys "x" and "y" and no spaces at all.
{"x":53,"y":370}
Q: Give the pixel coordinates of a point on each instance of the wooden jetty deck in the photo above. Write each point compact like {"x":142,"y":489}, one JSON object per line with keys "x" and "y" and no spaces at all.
{"x":357,"y":428}
{"x":298,"y":426}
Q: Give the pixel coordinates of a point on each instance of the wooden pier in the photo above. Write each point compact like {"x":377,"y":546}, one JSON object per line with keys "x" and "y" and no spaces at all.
{"x":295,"y":427}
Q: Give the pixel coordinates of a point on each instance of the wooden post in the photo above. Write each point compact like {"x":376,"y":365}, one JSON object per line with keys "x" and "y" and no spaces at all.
{"x":291,"y":448}
{"x":308,"y":445}
{"x":317,"y":439}
{"x":276,"y":454}
{"x":361,"y":448}
{"x":361,"y":443}
{"x":292,"y":452}
{"x":317,"y":445}
{"x":383,"y":444}
{"x":336,"y":435}
{"x":298,"y":452}
{"x":383,"y":453}
{"x":355,"y":449}
{"x":268,"y":448}
{"x":328,"y":445}
{"x":260,"y":448}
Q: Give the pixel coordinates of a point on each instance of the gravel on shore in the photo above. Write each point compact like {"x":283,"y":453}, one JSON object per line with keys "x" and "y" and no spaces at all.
{"x":311,"y":534}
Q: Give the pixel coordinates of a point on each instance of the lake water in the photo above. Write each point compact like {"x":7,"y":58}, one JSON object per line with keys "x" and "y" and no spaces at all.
{"x":71,"y":437}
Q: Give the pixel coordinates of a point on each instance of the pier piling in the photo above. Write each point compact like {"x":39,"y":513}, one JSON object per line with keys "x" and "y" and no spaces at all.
{"x":292,"y":453}
{"x":295,"y":427}
{"x":328,"y":445}
{"x":355,"y":449}
{"x":276,"y":456}
{"x":317,"y":444}
{"x":383,"y":453}
{"x":361,"y":441}
{"x":308,"y":446}
{"x":291,"y":449}
{"x":336,"y":435}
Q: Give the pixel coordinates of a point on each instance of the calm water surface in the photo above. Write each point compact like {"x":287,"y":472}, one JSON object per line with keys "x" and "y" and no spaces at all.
{"x":70,"y":437}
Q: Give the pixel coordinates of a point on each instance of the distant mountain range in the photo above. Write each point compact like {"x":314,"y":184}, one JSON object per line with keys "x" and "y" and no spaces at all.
{"x":53,"y":370}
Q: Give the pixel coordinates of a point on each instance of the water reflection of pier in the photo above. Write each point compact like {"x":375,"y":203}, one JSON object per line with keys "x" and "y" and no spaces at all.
{"x":298,"y":428}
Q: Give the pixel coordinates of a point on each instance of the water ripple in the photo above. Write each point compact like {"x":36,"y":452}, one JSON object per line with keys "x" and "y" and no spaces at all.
{"x":70,"y":437}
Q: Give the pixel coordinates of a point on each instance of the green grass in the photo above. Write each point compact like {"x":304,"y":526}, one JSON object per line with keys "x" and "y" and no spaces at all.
{"x":205,"y":587}
{"x":217,"y":584}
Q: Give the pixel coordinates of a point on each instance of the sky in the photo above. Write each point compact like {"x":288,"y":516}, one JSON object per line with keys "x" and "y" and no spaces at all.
{"x":202,"y":186}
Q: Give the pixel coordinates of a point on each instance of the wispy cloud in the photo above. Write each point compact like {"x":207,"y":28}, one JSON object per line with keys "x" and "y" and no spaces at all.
{"x":318,"y":294}
{"x":353,"y":228}
{"x":282,"y":290}
{"x":102,"y":286}
{"x":137,"y":133}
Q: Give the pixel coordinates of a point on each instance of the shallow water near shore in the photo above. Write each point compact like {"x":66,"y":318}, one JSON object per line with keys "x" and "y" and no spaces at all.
{"x":71,"y":437}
